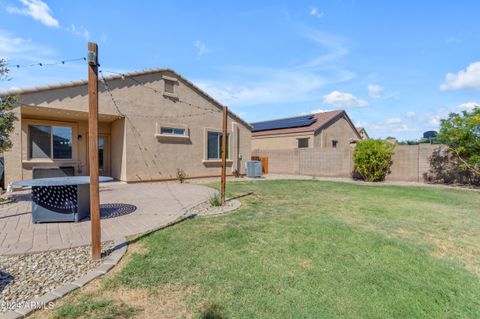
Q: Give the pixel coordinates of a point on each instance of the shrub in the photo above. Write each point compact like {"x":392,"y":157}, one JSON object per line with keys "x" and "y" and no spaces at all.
{"x":181,"y":175}
{"x":215,"y":200}
{"x":372,"y":159}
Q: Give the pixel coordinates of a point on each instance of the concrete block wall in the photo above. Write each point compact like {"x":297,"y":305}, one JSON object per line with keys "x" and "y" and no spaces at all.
{"x":409,"y":163}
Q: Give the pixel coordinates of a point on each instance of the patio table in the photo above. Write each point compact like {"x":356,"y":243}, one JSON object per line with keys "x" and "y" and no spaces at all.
{"x":60,"y":199}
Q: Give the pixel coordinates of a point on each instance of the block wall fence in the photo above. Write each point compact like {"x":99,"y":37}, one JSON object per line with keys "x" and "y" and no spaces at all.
{"x":409,"y":162}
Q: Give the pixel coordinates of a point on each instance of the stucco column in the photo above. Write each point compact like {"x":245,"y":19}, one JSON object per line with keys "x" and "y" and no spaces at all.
{"x":13,"y":158}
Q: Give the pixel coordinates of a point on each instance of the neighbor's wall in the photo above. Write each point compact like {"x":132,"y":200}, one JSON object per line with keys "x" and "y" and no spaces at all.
{"x":340,"y":131}
{"x":278,"y":142}
{"x":409,"y":163}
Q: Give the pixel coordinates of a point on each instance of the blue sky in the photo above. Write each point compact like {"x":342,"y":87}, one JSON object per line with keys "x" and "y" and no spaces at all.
{"x":397,"y":67}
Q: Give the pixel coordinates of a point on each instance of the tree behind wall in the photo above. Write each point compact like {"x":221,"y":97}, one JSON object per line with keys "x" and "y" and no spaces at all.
{"x":7,"y":117}
{"x":461,"y":132}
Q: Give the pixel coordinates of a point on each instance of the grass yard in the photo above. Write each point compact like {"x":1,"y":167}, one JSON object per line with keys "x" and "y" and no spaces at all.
{"x":304,"y":249}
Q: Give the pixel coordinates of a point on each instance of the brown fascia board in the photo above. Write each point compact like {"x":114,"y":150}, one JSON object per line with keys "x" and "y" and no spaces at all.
{"x":76,"y":83}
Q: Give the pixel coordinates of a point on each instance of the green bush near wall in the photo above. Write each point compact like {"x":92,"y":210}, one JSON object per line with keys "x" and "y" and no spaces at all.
{"x":372,"y":159}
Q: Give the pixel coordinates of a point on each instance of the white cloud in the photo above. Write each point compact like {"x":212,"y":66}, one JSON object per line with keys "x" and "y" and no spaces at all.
{"x":361,"y":124}
{"x":320,"y":111}
{"x":254,"y":85}
{"x":468,"y":106}
{"x":316,"y":13}
{"x":343,"y":99}
{"x":375,"y":91}
{"x":468,"y":78}
{"x":410,"y":114}
{"x":393,"y":120}
{"x":36,"y":9}
{"x":390,"y":126}
{"x":269,"y":85}
{"x":79,"y":31}
{"x":336,"y":47}
{"x":315,"y":111}
{"x":201,"y":48}
{"x":22,"y":49}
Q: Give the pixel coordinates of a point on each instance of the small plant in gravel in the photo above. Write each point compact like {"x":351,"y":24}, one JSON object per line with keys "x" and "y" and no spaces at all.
{"x":215,"y":200}
{"x":181,"y":175}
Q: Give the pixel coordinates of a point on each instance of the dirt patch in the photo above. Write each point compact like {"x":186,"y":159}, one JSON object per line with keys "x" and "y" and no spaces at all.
{"x":306,"y":263}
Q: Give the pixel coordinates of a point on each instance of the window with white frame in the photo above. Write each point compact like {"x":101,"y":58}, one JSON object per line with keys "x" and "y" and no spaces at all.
{"x":53,"y":142}
{"x":214,"y":145}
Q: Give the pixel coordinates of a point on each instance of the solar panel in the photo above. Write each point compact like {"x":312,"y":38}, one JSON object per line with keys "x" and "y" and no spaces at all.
{"x":298,"y":121}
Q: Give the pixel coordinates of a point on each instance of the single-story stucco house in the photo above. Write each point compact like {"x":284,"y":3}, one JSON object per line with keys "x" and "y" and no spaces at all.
{"x":363,"y":133}
{"x":324,"y":130}
{"x":151,"y":123}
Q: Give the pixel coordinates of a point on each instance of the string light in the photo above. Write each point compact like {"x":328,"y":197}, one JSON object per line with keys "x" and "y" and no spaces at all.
{"x":154,"y":90}
{"x":42,"y":64}
{"x":115,"y":103}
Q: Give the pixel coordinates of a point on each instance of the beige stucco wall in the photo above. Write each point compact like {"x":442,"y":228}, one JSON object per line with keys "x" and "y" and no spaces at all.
{"x":136,"y":153}
{"x":340,"y":130}
{"x":118,"y":150}
{"x":280,"y":141}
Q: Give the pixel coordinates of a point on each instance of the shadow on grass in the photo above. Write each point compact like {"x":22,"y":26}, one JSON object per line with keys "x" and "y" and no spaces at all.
{"x":240,"y":196}
{"x":212,"y":311}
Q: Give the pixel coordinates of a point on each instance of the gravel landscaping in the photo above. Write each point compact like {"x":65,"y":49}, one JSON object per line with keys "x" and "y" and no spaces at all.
{"x":206,"y":209}
{"x":24,"y":277}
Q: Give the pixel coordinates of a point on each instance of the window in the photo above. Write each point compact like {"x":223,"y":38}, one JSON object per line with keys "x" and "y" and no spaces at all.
{"x":302,"y":142}
{"x":334,"y":143}
{"x":169,"y":86}
{"x":172,"y":131}
{"x":54,"y":142}
{"x":214,"y":145}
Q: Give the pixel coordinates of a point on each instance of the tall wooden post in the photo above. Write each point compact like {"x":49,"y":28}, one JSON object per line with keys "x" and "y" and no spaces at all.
{"x":224,"y":156}
{"x":93,"y":148}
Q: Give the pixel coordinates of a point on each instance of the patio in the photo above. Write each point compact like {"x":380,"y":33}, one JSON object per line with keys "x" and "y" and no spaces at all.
{"x":126,"y":209}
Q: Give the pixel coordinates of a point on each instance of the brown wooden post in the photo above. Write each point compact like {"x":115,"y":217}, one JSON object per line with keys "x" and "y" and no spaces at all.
{"x":93,"y":148}
{"x":224,"y":156}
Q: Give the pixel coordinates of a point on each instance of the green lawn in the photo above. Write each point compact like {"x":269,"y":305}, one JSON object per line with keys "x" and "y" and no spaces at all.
{"x":308,"y":249}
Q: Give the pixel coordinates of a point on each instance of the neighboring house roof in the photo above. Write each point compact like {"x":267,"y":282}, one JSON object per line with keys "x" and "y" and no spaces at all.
{"x":361,"y":129}
{"x":319,"y":121}
{"x":61,"y":85}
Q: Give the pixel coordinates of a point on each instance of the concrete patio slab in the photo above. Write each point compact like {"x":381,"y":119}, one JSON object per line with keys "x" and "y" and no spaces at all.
{"x":126,"y":209}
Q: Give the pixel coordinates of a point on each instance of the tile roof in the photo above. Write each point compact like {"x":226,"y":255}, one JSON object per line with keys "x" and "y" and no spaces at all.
{"x":321,"y":119}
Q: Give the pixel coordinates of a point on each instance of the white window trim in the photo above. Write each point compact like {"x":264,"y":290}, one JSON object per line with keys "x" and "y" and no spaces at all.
{"x":205,"y":148}
{"x":26,"y":123}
